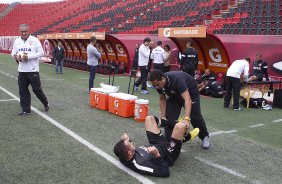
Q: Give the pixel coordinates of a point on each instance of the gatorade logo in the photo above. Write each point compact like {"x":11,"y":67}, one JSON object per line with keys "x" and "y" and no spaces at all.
{"x":109,"y":48}
{"x":116,"y":103}
{"x":215,"y":55}
{"x":166,"y":32}
{"x":119,"y":48}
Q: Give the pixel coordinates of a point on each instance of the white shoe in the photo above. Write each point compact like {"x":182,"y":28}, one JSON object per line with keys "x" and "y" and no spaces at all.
{"x":149,"y":85}
{"x":206,"y":143}
{"x":145,"y":92}
{"x":135,"y":88}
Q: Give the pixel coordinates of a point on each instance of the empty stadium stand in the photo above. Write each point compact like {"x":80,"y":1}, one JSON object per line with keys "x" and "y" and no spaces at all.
{"x":145,"y":16}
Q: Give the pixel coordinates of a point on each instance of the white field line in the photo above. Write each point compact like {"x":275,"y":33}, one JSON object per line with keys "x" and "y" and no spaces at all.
{"x":227,"y":170}
{"x":17,"y":78}
{"x":222,"y":132}
{"x":8,"y":74}
{"x":257,"y":125}
{"x":92,"y":147}
{"x":276,"y":121}
{"x":6,"y":100}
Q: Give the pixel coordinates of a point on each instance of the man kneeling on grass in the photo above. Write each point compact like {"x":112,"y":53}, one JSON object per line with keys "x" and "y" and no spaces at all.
{"x":156,"y":158}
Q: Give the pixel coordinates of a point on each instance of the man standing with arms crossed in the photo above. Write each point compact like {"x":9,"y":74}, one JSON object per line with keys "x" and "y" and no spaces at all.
{"x":59,"y":55}
{"x":93,"y":56}
{"x":27,"y":51}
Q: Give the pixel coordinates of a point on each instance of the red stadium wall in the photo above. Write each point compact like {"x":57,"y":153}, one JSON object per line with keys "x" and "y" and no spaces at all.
{"x":241,"y":46}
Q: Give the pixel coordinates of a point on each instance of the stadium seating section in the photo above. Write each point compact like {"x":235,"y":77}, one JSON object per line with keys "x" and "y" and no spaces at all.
{"x":144,"y":16}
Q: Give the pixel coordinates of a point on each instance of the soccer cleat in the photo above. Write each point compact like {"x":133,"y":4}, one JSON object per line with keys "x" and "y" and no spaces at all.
{"x":24,"y":113}
{"x":191,"y":135}
{"x":145,"y":92}
{"x":206,"y":143}
{"x":238,"y":109}
{"x":47,"y":107}
{"x":135,"y":88}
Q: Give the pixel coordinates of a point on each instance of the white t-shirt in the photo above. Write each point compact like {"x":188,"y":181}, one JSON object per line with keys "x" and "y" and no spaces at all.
{"x":143,"y":56}
{"x":237,"y":68}
{"x":158,"y":55}
{"x":34,"y":50}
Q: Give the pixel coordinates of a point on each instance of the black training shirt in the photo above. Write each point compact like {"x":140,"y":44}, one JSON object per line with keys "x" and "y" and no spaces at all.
{"x":177,"y":83}
{"x":145,"y":163}
{"x":189,"y":58}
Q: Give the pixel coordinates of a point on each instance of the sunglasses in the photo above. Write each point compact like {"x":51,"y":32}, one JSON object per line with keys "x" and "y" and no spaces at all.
{"x":23,"y":31}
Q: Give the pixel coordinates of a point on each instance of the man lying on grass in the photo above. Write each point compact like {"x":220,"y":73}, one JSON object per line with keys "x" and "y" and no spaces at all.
{"x":156,"y":158}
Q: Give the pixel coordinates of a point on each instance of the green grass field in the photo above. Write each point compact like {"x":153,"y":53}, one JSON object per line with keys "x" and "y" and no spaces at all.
{"x":33,"y":150}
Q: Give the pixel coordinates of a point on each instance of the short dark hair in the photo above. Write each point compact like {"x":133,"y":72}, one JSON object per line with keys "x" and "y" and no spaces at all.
{"x":159,"y":42}
{"x":167,"y":46}
{"x":147,"y":39}
{"x":248,"y":59}
{"x":120,"y":150}
{"x":190,"y":43}
{"x":156,"y":74}
{"x":93,"y":39}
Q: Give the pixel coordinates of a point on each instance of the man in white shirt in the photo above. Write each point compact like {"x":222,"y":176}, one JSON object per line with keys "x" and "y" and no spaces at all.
{"x":143,"y":60}
{"x":27,"y":51}
{"x":93,"y":57}
{"x":233,"y":81}
{"x":158,"y":56}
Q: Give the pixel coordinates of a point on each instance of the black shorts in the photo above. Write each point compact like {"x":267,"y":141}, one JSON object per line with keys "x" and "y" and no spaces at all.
{"x":259,"y":77}
{"x":158,"y":140}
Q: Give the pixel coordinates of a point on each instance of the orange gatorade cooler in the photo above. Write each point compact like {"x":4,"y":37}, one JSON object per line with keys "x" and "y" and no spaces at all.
{"x":141,"y":110}
{"x":122,"y":104}
{"x":99,"y":98}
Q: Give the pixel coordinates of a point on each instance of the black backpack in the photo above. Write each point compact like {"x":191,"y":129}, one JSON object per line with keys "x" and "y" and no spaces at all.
{"x":254,"y":102}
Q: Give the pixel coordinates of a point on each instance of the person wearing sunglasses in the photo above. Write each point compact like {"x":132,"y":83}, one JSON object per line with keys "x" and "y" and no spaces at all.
{"x":27,"y":51}
{"x":155,"y":158}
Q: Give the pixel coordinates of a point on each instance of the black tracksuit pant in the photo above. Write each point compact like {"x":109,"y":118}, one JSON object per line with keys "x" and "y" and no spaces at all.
{"x":173,"y":110}
{"x":189,"y":70}
{"x":233,"y":85}
{"x":32,"y":78}
{"x":143,"y":79}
